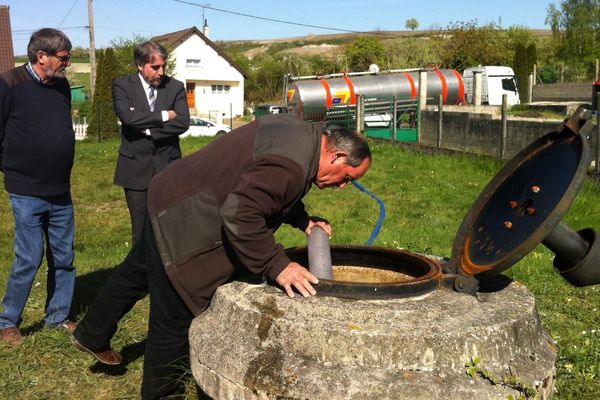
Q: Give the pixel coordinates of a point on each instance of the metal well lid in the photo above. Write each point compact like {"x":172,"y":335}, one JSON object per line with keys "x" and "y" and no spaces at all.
{"x":523,"y":202}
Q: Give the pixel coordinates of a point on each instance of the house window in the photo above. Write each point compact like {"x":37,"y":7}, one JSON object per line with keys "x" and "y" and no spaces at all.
{"x":220,"y":89}
{"x":192,"y":63}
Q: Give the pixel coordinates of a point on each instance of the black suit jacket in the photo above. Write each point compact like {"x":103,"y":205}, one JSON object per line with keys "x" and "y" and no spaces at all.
{"x":140,"y":156}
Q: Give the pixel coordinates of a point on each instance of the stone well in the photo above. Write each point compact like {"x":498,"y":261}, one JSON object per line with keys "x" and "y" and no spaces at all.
{"x":254,"y":342}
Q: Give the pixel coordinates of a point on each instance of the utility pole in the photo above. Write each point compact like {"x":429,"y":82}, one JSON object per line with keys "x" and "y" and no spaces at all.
{"x":92,"y":49}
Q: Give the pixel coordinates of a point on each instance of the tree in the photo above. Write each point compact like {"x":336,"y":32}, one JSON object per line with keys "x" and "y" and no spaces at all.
{"x":580,"y":25}
{"x":363,"y":52}
{"x":411,"y":24}
{"x":524,"y":56}
{"x":531,"y":56}
{"x":553,"y":16}
{"x":521,"y":69}
{"x":103,"y":120}
{"x":79,"y":52}
{"x":319,"y":65}
{"x":412,"y":52}
{"x":576,"y":28}
{"x":467,"y":45}
{"x":123,"y":52}
{"x":241,"y":61}
{"x":266,"y":79}
{"x":548,"y":73}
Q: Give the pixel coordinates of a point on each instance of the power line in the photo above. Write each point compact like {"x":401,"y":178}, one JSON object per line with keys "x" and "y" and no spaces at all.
{"x":19,"y":31}
{"x":68,"y":13}
{"x":274,"y":20}
{"x":153,"y":32}
{"x":25,"y":34}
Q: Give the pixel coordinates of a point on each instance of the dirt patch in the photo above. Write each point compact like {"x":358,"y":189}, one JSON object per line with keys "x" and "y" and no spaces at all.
{"x":328,"y":50}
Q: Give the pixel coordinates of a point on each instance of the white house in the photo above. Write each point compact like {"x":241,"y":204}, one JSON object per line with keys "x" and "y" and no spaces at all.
{"x":214,"y":83}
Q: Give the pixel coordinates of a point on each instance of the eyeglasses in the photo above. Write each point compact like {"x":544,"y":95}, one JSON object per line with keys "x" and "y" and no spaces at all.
{"x":62,"y":59}
{"x":156,"y":67}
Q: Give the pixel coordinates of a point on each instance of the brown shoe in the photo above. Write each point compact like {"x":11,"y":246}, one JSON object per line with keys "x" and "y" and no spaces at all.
{"x":69,"y":326}
{"x":107,"y":357}
{"x":11,"y":336}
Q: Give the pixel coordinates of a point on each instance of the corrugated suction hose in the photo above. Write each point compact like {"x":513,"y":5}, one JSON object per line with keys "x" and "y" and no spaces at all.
{"x":319,"y":254}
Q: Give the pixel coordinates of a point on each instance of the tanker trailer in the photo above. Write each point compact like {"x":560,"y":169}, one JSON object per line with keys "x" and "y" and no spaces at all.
{"x":310,"y":97}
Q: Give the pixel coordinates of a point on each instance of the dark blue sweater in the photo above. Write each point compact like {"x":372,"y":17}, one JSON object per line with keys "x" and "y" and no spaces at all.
{"x":37,"y":142}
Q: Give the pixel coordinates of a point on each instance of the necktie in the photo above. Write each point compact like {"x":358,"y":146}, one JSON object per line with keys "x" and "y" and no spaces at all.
{"x":151,"y":98}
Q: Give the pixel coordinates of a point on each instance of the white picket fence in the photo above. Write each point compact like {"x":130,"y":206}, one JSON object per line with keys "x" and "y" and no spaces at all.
{"x":80,"y":128}
{"x":80,"y":125}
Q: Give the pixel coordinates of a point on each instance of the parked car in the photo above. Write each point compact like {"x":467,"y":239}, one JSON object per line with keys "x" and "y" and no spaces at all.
{"x":203,"y":127}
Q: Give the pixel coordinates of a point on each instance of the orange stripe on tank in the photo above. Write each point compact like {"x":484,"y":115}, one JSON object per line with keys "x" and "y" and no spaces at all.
{"x":461,"y":88}
{"x":444,"y":85}
{"x":413,"y":88}
{"x":327,"y":92}
{"x":351,"y":88}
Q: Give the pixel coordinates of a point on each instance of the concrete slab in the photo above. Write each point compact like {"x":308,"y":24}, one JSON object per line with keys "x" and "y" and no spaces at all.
{"x":256,"y":343}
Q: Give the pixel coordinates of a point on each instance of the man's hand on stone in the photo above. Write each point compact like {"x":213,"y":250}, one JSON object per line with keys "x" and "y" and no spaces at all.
{"x":297,"y":276}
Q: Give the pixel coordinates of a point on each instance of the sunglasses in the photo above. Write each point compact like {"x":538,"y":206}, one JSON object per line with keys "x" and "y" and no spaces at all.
{"x":62,"y":59}
{"x":156,"y":67}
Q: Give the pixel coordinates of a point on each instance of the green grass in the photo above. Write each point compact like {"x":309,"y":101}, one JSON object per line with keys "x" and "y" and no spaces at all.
{"x":82,"y":78}
{"x":524,"y":110}
{"x":23,"y":59}
{"x":426,"y":196}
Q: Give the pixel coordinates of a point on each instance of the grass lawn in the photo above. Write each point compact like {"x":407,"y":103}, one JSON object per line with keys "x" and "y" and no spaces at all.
{"x":426,"y":197}
{"x":82,"y":78}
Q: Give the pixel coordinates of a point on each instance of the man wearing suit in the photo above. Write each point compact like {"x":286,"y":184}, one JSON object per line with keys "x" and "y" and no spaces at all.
{"x":153,"y":111}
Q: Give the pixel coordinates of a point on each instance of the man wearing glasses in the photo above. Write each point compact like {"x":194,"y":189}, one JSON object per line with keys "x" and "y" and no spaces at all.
{"x":37,"y":146}
{"x":153,"y":110}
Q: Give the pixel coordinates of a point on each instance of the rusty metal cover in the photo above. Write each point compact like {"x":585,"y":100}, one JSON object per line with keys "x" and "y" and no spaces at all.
{"x":521,"y":204}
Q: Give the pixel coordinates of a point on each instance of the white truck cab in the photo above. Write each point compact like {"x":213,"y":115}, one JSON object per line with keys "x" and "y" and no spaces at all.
{"x":495,"y":82}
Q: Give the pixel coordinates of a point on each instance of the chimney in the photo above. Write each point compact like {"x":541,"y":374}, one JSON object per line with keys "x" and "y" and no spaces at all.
{"x":205,"y":30}
{"x":7,"y":55}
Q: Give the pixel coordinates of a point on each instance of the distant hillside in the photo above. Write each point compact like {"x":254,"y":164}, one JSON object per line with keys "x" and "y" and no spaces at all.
{"x":328,"y":44}
{"x":347,"y":37}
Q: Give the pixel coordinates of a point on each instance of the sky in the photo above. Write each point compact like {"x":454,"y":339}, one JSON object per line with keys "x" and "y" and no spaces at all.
{"x":254,"y":20}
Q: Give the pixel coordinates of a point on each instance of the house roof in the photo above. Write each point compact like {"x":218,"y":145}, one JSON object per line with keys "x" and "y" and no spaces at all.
{"x":174,"y":39}
{"x":7,"y":56}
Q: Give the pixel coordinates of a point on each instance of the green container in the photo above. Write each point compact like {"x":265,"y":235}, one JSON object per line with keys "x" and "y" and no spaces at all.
{"x":77,"y":93}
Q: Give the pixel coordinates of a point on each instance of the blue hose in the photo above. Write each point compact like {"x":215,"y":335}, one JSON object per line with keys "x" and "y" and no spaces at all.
{"x":381,"y":212}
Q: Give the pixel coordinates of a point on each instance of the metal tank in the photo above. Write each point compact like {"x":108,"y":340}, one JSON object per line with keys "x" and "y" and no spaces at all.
{"x":311,"y":98}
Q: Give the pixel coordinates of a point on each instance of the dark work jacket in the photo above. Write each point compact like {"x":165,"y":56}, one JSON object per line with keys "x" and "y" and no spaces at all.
{"x":217,"y":210}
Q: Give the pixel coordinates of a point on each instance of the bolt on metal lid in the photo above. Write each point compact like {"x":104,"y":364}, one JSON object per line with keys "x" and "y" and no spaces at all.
{"x":522,"y":203}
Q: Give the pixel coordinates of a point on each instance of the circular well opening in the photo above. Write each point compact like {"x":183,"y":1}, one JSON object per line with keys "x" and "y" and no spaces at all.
{"x":365,"y":272}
